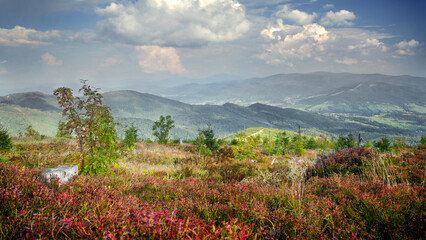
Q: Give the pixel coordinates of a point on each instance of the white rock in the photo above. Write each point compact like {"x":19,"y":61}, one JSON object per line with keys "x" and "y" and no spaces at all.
{"x":64,"y":173}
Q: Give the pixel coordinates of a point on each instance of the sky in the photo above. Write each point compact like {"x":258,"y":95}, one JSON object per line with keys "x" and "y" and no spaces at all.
{"x":146,"y":44}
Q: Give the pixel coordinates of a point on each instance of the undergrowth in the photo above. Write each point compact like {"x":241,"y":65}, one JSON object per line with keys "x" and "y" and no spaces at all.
{"x":172,"y":192}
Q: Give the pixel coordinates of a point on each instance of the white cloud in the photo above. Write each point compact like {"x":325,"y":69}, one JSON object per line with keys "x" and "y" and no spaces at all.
{"x":369,"y":45}
{"x":296,"y":16}
{"x":340,"y":18}
{"x":407,"y":48}
{"x":279,"y":31}
{"x":327,"y":6}
{"x":159,"y":59}
{"x":51,"y":60}
{"x":19,"y":36}
{"x":347,"y":61}
{"x":308,"y":41}
{"x":173,"y":23}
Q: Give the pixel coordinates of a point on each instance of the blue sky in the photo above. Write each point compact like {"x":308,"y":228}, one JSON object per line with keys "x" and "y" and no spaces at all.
{"x":140,"y":45}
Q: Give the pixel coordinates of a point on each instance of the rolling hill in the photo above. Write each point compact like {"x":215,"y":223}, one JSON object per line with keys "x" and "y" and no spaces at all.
{"x":323,"y":92}
{"x":17,"y":111}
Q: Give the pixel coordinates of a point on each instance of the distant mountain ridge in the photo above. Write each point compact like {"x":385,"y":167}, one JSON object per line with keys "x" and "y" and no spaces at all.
{"x":40,"y":110}
{"x":320,"y":91}
{"x":33,"y":100}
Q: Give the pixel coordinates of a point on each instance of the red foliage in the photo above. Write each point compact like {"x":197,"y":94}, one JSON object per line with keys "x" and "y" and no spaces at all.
{"x":149,"y":207}
{"x":344,"y":161}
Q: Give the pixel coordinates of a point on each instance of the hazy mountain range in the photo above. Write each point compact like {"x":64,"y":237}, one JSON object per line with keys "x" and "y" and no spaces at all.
{"x":320,"y":92}
{"x":405,"y":117}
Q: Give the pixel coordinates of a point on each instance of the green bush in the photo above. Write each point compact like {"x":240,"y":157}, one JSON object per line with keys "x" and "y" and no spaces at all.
{"x":5,"y":141}
{"x":383,"y":145}
{"x":206,"y":138}
{"x":298,"y":147}
{"x":345,"y":142}
{"x":422,"y":141}
{"x":246,"y":149}
{"x":131,"y":137}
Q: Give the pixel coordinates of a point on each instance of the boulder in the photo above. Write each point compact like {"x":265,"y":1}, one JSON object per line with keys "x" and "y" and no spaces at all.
{"x":64,"y":173}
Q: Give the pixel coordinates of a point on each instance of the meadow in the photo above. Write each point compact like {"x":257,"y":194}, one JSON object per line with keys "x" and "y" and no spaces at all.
{"x":171,"y":191}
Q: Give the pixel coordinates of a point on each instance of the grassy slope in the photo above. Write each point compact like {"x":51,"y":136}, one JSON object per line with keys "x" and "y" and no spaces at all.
{"x":16,"y":119}
{"x":273,"y":132}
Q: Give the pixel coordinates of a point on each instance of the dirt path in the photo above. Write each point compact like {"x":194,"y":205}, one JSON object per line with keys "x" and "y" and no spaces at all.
{"x":257,"y":133}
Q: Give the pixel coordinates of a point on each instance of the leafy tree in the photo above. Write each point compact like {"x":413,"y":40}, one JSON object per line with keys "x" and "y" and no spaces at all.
{"x":131,"y":137}
{"x":5,"y":140}
{"x":383,"y":145}
{"x":162,"y":128}
{"x":91,"y":121}
{"x":32,"y":133}
{"x":206,"y":137}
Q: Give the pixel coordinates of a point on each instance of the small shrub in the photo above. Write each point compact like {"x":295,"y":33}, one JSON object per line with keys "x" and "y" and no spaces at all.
{"x":383,"y":145}
{"x":225,"y":154}
{"x":131,"y":137}
{"x":5,"y":140}
{"x":207,"y":141}
{"x":422,"y":141}
{"x":246,"y":149}
{"x":298,"y":147}
{"x":345,"y":142}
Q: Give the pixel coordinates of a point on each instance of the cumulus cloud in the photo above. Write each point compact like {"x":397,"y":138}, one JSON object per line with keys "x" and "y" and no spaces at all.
{"x":159,"y":59}
{"x":347,"y":61}
{"x":340,"y":18}
{"x":19,"y":36}
{"x":369,"y":45}
{"x":407,"y":48}
{"x":296,"y":16}
{"x":304,"y":42}
{"x":51,"y":60}
{"x":278,"y":31}
{"x":173,"y":23}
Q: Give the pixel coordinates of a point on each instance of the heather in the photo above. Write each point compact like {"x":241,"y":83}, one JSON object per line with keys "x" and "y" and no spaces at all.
{"x":157,"y":191}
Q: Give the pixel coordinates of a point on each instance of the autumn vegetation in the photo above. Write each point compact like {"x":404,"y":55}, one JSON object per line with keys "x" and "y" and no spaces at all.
{"x":244,"y":188}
